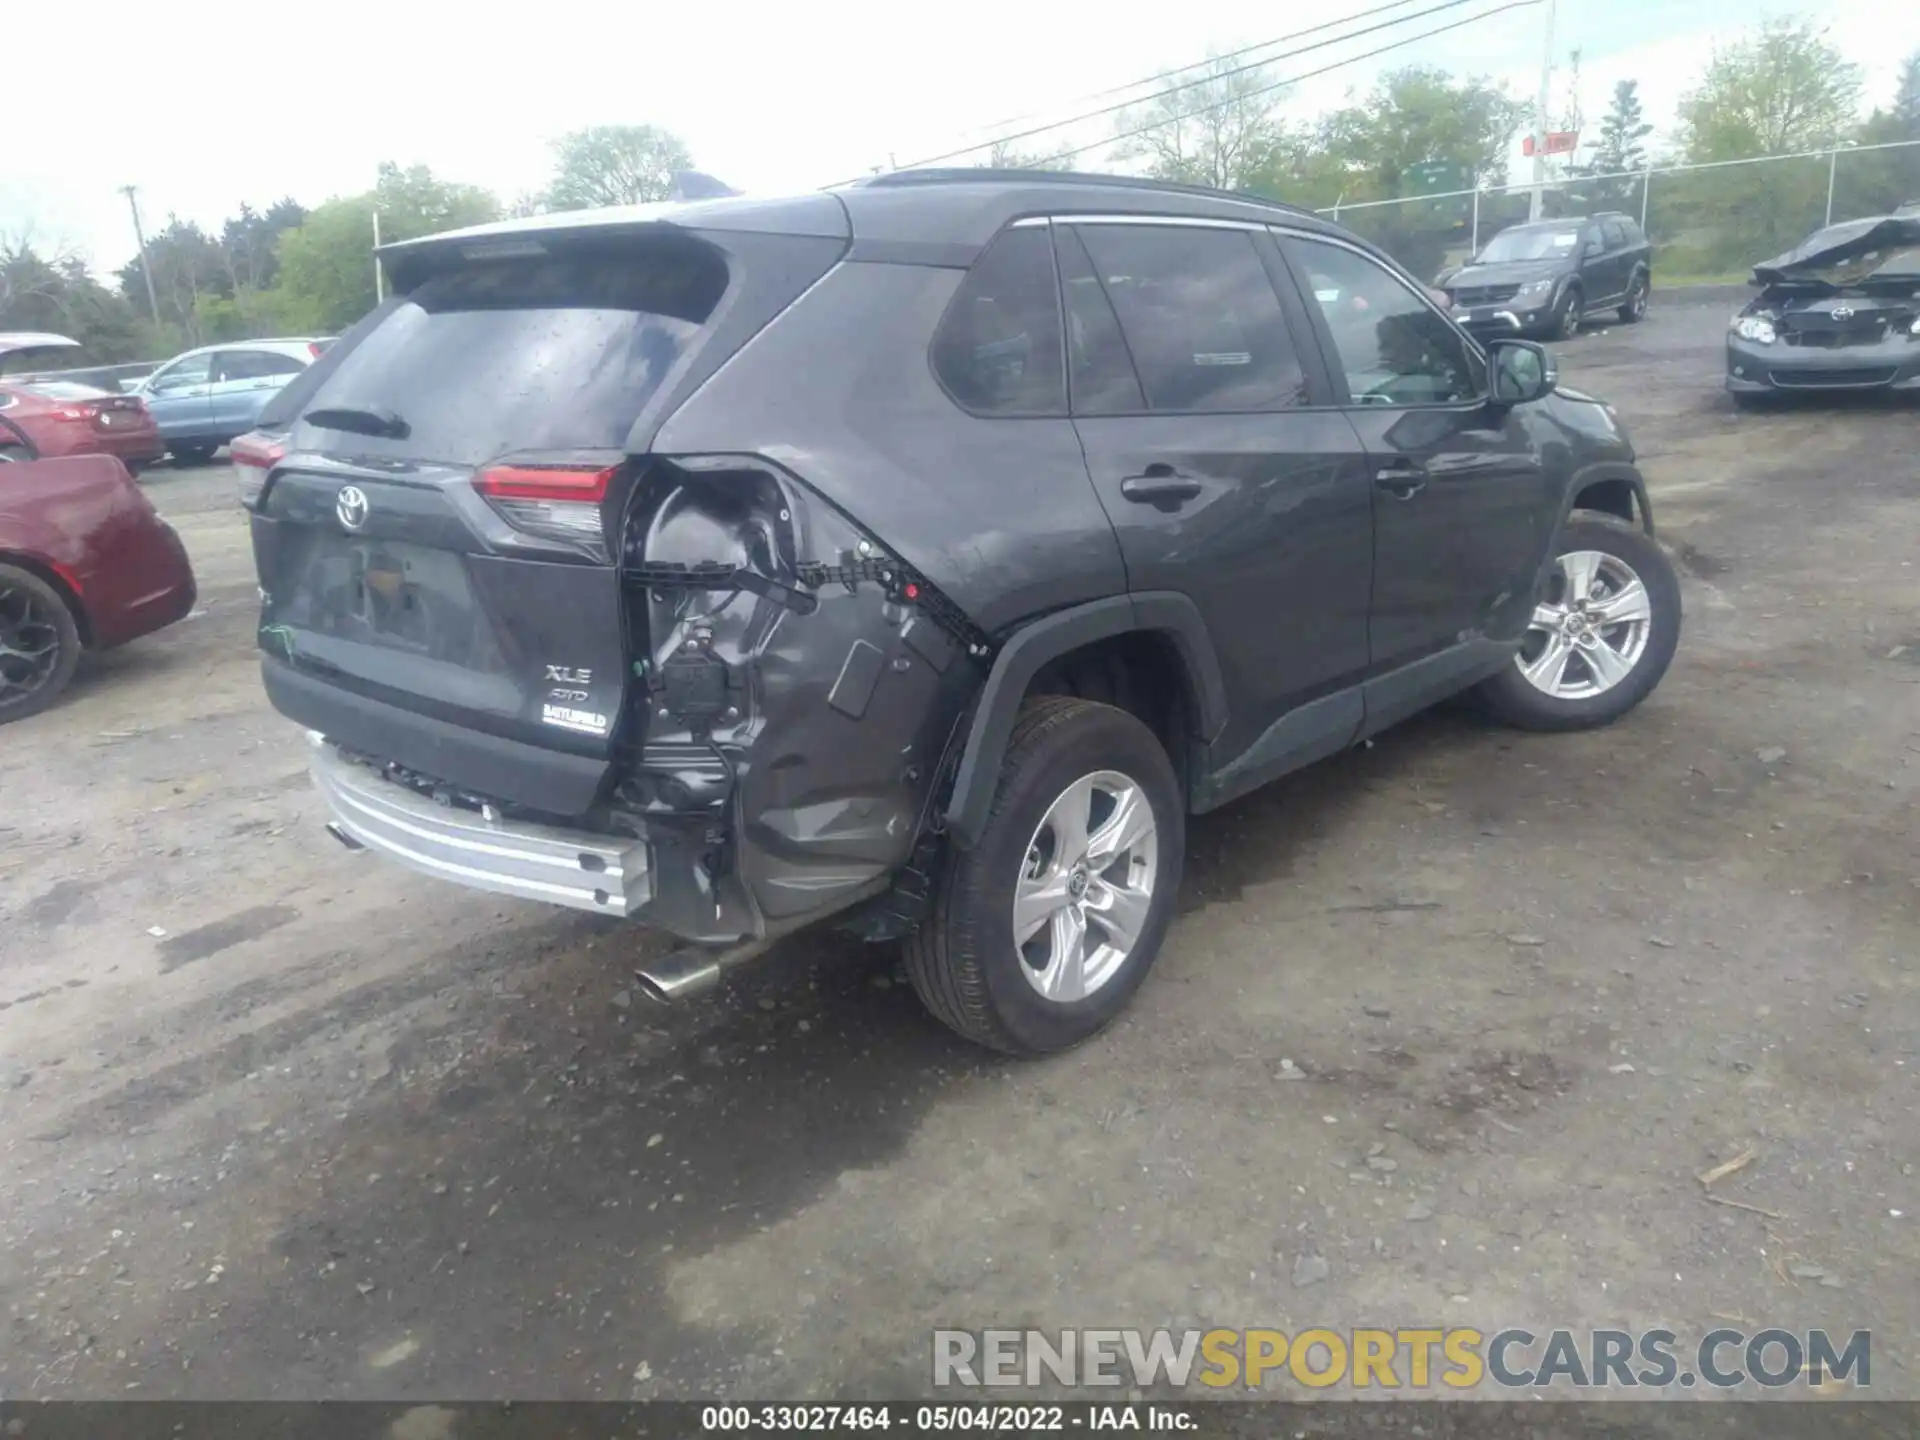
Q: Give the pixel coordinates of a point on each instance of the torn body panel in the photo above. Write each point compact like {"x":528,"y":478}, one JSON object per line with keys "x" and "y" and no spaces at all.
{"x":784,"y":738}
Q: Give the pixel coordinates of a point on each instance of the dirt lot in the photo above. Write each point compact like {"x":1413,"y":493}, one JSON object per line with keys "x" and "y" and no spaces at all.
{"x":339,"y":1131}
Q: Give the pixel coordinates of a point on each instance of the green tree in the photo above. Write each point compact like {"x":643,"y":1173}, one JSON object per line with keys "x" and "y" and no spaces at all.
{"x":326,"y":262}
{"x":1220,"y":130}
{"x":615,"y":165}
{"x":188,"y":271}
{"x":58,"y":293}
{"x":1623,"y":134}
{"x":1876,"y":181}
{"x":1786,"y":89}
{"x":1423,"y":114}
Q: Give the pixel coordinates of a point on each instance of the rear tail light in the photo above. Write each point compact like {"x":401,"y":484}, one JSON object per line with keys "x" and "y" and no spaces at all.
{"x":551,"y":502}
{"x":253,"y":457}
{"x":315,"y":350}
{"x":76,"y":412}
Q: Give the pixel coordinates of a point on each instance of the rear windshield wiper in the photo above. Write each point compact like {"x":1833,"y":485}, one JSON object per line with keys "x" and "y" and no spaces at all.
{"x":383,"y":423}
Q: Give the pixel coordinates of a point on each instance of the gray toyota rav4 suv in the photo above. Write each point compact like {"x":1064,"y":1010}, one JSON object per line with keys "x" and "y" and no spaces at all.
{"x":920,"y":554}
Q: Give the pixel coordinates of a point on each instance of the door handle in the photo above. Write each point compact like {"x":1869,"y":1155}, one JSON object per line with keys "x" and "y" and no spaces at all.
{"x":1402,"y":479}
{"x":1160,"y":485}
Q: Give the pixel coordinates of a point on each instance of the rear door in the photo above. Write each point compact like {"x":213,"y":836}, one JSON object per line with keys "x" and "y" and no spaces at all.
{"x":179,"y":397}
{"x":242,"y":382}
{"x":1197,"y":414}
{"x":439,"y":542}
{"x":1619,"y":259}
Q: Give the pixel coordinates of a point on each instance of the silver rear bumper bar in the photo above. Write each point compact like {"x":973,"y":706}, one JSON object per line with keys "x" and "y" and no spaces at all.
{"x":606,"y":874}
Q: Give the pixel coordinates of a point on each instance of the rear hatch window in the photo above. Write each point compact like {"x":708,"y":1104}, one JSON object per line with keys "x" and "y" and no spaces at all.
{"x":553,"y":352}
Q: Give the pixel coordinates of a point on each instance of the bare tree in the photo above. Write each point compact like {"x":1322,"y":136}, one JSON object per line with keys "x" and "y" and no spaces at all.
{"x":1219,"y":130}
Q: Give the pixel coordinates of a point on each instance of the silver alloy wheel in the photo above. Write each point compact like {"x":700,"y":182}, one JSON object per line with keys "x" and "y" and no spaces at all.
{"x":1637,"y":299}
{"x":1591,"y":630}
{"x":1085,"y":886}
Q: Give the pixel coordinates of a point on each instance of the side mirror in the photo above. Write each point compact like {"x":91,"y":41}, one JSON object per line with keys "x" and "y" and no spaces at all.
{"x":1522,"y":371}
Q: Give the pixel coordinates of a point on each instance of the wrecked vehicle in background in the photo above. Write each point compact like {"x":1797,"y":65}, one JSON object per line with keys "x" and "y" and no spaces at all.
{"x":917,"y":554}
{"x":1840,"y":311}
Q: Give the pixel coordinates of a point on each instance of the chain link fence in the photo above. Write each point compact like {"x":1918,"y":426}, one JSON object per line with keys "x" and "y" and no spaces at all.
{"x":1707,"y":222}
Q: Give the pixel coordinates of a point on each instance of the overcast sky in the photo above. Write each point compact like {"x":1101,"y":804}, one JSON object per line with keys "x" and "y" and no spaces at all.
{"x":213,"y":103}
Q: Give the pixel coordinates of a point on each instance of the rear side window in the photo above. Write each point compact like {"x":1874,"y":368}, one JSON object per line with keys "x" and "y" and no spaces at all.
{"x":558,"y":352}
{"x":1201,"y":319}
{"x":1615,"y":233}
{"x":998,"y":348}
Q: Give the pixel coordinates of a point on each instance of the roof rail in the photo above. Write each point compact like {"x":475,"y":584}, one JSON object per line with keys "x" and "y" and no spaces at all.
{"x":960,"y":175}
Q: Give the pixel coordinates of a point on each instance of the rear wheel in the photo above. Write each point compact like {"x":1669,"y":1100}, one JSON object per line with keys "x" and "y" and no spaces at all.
{"x":39,"y":644}
{"x":1602,"y":636}
{"x":1634,"y":308}
{"x":1043,"y":931}
{"x":194,"y":454}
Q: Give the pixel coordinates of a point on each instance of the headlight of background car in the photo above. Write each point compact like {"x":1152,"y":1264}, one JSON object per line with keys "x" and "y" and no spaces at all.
{"x":1757,"y":328}
{"x":1534,"y":290}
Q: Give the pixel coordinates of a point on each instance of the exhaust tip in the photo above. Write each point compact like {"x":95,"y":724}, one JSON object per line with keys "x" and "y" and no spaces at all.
{"x":679,"y":975}
{"x":340,"y":833}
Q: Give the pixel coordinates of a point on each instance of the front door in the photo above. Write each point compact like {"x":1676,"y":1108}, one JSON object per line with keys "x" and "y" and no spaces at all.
{"x":1193,"y":391}
{"x":1462,"y":505}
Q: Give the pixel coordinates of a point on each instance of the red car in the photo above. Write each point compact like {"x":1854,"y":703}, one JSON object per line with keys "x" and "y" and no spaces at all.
{"x":42,"y":419}
{"x":86,"y":563}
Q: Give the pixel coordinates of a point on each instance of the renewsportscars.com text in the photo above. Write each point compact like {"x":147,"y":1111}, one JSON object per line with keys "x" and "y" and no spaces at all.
{"x":1454,"y":1358}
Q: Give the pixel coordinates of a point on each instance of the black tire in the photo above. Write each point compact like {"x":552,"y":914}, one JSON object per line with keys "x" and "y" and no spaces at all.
{"x":26,"y":690}
{"x":1566,"y":315}
{"x":963,"y":961}
{"x":1634,"y":308}
{"x":1514,"y":698}
{"x":195,"y":454}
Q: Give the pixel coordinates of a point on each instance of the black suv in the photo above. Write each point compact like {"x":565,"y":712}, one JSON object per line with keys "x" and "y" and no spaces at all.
{"x":1544,"y":279}
{"x":920,"y":553}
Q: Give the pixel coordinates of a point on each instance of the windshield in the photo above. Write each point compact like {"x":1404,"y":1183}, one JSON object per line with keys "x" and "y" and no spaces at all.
{"x":1543,"y":244}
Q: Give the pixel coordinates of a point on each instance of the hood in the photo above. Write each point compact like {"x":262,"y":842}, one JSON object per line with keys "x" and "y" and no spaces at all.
{"x":1510,"y":272}
{"x":1876,"y":249}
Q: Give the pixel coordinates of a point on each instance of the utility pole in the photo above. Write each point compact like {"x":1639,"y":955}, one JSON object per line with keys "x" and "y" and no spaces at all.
{"x":146,"y":270}
{"x":1541,"y":122}
{"x":379,"y":276}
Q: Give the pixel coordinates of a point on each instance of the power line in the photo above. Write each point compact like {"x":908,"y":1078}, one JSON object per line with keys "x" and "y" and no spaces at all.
{"x":1306,"y":75}
{"x":1222,"y":75}
{"x":1189,"y":69}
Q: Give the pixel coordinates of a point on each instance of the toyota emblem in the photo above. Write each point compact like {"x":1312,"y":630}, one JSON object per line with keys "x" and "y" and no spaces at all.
{"x":351,"y":506}
{"x":1841,"y":312}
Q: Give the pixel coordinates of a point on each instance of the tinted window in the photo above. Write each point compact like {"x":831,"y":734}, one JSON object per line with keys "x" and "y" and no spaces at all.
{"x":1632,"y":233}
{"x":1394,"y":347}
{"x":558,"y":352}
{"x":1200,"y":317}
{"x":998,"y":349}
{"x":1614,"y":233}
{"x":1524,"y":243}
{"x":1099,"y":368}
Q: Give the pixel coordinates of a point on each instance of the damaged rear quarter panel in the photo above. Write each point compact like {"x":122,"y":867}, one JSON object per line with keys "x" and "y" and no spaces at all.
{"x":831,"y":718}
{"x":855,"y":704}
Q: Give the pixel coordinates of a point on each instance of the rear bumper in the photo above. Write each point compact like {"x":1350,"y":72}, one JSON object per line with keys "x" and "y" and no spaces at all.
{"x":605,"y":874}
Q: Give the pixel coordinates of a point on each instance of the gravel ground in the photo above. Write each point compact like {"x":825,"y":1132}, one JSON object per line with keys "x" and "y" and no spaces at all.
{"x":278,"y":1120}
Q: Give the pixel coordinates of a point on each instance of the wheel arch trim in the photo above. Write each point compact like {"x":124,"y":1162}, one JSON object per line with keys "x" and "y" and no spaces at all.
{"x":1168,"y":613}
